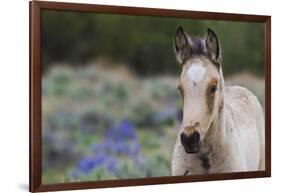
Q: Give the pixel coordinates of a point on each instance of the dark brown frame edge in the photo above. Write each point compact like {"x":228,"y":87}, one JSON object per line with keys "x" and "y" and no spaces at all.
{"x":36,"y":7}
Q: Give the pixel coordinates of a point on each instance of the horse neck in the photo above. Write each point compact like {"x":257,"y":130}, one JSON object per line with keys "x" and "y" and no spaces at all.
{"x":216,"y":131}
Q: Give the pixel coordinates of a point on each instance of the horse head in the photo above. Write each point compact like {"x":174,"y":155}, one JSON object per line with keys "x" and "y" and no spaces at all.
{"x":200,"y":84}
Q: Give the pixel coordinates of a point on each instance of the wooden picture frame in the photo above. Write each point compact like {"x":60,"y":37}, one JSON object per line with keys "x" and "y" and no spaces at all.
{"x":36,"y":8}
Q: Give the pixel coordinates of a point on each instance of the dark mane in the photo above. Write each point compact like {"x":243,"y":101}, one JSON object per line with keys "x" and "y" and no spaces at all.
{"x":198,"y":46}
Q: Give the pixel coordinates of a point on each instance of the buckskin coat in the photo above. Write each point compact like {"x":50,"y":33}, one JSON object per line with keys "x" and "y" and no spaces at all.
{"x":223,"y":127}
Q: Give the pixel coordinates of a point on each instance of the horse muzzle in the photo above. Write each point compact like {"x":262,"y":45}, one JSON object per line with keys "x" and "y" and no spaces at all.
{"x":191,"y":142}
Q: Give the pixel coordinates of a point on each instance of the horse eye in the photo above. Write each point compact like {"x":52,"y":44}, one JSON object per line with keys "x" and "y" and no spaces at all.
{"x":213,"y":88}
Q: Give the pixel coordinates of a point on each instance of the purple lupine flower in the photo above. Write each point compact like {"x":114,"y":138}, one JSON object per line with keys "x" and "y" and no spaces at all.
{"x":121,"y":139}
{"x":105,"y":146}
{"x":88,"y":164}
{"x":122,"y":147}
{"x":111,"y":164}
{"x":125,"y":130}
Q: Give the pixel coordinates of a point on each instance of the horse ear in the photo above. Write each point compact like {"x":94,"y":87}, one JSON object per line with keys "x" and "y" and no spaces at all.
{"x":213,"y":46}
{"x":182,"y":47}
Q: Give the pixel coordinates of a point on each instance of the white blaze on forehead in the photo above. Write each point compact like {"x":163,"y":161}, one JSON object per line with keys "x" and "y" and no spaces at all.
{"x":196,"y":72}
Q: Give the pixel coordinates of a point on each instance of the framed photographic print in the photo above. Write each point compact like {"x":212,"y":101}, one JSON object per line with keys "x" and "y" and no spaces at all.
{"x":124,"y":96}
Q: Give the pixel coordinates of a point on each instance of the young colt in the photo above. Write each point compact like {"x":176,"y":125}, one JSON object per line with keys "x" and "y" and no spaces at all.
{"x":223,"y":127}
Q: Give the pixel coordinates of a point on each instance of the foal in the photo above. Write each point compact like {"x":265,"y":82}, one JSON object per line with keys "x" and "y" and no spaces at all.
{"x":223,"y":127}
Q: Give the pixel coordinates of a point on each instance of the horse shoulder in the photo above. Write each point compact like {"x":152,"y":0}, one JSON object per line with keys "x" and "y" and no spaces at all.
{"x":244,"y":108}
{"x":244,"y":122}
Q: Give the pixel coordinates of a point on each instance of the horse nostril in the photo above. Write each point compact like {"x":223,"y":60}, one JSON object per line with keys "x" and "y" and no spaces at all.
{"x":194,"y":137}
{"x":190,"y":139}
{"x":190,"y":142}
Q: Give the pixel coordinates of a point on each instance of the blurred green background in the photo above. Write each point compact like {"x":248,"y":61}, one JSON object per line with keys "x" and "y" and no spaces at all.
{"x":110,"y":105}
